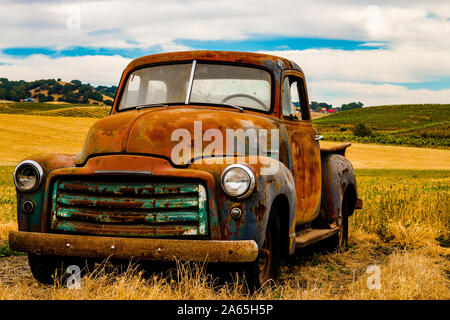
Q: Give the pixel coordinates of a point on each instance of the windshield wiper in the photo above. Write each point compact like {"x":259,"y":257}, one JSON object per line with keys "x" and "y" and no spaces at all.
{"x":141,"y":106}
{"x":227,"y":105}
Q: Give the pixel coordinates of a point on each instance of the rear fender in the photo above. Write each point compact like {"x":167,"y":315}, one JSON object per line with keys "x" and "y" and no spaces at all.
{"x":337,"y":176}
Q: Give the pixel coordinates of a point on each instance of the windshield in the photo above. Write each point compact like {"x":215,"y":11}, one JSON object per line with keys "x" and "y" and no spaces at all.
{"x":186,"y":83}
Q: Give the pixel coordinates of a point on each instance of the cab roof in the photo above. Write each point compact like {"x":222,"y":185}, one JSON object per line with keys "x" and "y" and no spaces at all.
{"x":270,"y":62}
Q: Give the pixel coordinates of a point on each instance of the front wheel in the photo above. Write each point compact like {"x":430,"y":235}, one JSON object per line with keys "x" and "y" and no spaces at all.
{"x":267,"y":265}
{"x":47,"y":269}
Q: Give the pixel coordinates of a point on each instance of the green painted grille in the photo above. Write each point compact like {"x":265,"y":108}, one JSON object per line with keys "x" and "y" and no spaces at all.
{"x":129,"y":208}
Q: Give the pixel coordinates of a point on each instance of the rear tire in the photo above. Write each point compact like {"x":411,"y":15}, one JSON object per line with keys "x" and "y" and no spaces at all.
{"x":338,"y":242}
{"x":267,"y":265}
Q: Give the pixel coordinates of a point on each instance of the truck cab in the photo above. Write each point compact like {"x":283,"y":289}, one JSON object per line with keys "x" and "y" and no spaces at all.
{"x":205,"y":156}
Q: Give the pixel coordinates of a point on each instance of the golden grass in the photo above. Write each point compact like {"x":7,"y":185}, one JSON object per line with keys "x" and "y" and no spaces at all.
{"x":372,"y":156}
{"x":24,"y":135}
{"x":403,"y":228}
{"x":317,"y":115}
{"x":417,"y":274}
{"x":400,"y":229}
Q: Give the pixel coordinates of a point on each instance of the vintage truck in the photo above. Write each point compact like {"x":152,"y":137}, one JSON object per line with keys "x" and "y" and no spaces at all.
{"x":205,"y":156}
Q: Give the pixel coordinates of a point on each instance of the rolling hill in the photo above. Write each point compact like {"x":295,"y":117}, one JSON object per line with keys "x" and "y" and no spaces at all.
{"x":56,"y":91}
{"x":417,"y":125}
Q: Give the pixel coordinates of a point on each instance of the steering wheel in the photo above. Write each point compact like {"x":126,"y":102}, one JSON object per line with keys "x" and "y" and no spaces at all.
{"x":245,"y":96}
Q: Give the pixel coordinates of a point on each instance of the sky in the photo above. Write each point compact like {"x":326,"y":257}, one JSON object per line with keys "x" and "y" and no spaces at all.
{"x":376,"y":52}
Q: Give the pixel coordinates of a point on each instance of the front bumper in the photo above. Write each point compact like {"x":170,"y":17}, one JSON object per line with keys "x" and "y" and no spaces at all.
{"x":138,"y":248}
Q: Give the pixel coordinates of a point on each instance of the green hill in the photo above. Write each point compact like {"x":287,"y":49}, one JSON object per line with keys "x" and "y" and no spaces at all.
{"x":51,"y":90}
{"x":393,"y":117}
{"x":417,"y":125}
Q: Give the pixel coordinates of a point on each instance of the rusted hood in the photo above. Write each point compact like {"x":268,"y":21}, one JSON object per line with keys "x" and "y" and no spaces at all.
{"x":150,"y":131}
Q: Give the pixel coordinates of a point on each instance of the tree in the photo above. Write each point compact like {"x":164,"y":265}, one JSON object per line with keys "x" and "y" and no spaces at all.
{"x":352,"y":105}
{"x":42,"y":97}
{"x":3,"y":93}
{"x":70,"y":98}
{"x":108,"y":102}
{"x":361,"y":130}
{"x":56,"y":88}
{"x":94,"y":96}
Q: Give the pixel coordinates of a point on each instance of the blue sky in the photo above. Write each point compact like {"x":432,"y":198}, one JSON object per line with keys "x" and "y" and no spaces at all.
{"x":379,"y":53}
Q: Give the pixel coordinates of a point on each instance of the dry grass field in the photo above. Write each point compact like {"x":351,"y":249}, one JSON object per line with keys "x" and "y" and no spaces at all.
{"x":24,"y":135}
{"x":403,"y":229}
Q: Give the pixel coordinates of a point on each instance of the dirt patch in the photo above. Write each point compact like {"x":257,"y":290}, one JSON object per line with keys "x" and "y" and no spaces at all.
{"x":14,"y":269}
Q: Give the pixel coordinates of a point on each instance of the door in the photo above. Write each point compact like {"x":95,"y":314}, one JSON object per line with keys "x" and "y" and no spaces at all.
{"x":306,"y":167}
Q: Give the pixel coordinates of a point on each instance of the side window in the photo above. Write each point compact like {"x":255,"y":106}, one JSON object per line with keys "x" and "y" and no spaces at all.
{"x":294,"y":101}
{"x":287,"y":98}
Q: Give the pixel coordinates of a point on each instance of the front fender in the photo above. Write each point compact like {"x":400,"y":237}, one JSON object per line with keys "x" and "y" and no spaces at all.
{"x":256,"y":208}
{"x":34,"y":221}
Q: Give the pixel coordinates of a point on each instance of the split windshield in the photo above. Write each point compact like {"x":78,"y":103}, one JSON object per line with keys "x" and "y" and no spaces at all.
{"x":198,"y":83}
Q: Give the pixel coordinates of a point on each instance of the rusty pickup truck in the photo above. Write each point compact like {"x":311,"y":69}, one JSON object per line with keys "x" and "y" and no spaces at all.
{"x":205,"y":156}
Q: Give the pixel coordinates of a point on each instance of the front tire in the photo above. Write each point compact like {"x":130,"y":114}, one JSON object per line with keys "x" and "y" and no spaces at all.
{"x":267,"y":265}
{"x":48,"y":269}
{"x":44,"y":268}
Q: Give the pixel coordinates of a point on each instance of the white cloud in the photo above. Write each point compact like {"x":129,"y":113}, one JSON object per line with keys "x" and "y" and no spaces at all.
{"x":340,"y":92}
{"x":44,"y":23}
{"x":416,"y":33}
{"x":89,"y":69}
{"x":395,"y":64}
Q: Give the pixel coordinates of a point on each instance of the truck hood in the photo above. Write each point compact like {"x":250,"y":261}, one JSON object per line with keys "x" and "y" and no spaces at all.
{"x":156,"y":131}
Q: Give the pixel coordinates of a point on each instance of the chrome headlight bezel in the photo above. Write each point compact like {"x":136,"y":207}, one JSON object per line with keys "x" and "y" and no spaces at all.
{"x":39,"y":175}
{"x":251,"y":182}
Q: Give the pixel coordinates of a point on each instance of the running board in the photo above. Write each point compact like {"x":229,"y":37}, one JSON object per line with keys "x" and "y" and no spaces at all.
{"x":311,"y":236}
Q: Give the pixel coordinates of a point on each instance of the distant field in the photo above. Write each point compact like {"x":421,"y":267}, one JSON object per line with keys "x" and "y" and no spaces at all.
{"x":416,"y":125}
{"x":372,"y":156}
{"x":54,"y":109}
{"x":23,"y":135}
{"x":318,"y":115}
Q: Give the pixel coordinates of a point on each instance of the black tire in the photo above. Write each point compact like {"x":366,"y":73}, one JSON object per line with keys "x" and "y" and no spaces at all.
{"x":47,"y":269}
{"x":267,"y":265}
{"x":338,"y":242}
{"x":44,"y":268}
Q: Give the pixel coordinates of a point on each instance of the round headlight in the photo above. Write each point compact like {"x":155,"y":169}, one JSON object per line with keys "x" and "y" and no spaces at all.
{"x":238,"y":181}
{"x":28,"y":175}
